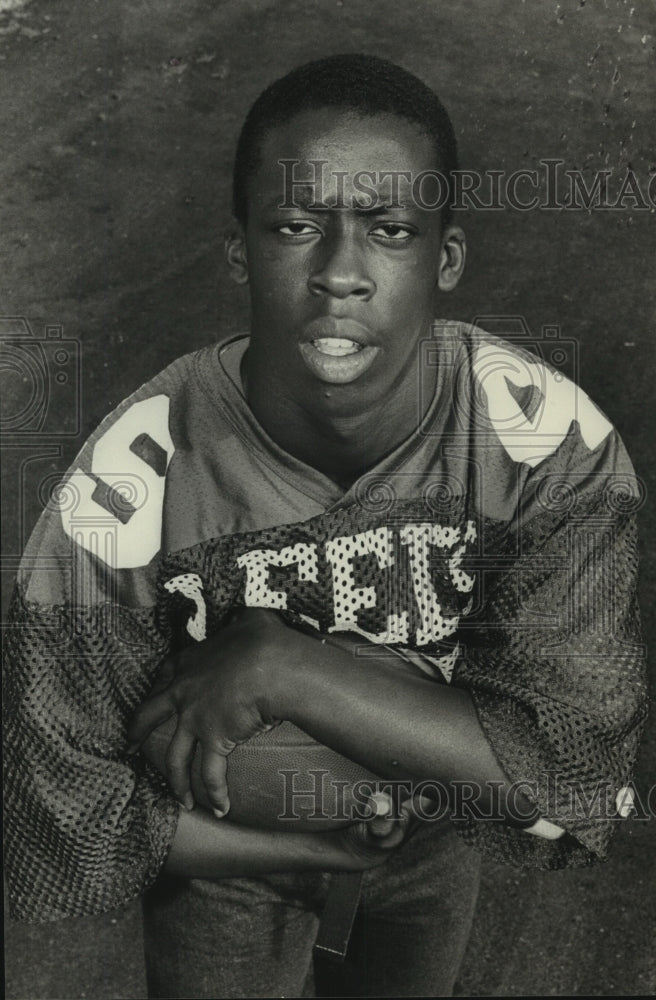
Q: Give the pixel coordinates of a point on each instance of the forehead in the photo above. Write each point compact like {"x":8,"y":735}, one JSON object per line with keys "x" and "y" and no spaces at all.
{"x":348,"y":144}
{"x":388,"y":141}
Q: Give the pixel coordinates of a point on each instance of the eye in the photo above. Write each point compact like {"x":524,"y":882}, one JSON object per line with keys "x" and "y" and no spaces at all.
{"x":297,"y":229}
{"x":393,"y":231}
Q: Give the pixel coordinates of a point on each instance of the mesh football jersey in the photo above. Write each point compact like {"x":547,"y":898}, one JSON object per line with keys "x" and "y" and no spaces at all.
{"x":495,"y":548}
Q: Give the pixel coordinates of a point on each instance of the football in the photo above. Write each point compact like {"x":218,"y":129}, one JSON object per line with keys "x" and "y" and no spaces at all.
{"x":281,"y":779}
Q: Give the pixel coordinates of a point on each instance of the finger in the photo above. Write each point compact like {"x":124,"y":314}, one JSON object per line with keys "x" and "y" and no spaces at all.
{"x":390,"y":828}
{"x":382,"y":820}
{"x":213,"y":770}
{"x":152,"y":713}
{"x":179,"y":757}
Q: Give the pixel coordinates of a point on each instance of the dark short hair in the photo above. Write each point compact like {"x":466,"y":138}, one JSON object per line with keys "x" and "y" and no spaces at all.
{"x":355,"y":82}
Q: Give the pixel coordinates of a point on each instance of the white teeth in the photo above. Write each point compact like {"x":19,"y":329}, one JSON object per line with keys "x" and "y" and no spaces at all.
{"x":337,"y":347}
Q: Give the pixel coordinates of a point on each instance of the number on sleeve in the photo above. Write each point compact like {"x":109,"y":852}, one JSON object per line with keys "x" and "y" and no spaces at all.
{"x":117,"y":513}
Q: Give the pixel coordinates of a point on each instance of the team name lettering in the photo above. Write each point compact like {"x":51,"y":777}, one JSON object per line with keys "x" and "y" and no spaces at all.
{"x":351,"y":596}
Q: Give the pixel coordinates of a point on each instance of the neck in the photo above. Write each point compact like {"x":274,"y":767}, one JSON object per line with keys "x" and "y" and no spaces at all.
{"x":338,"y":442}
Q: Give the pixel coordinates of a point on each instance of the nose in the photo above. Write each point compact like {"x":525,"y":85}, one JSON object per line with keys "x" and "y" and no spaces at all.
{"x":341,"y":270}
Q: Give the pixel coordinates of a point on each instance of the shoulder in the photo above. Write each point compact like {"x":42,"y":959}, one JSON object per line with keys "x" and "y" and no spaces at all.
{"x":112,"y":501}
{"x":531,"y":404}
{"x":524,"y":398}
{"x":523,"y":422}
{"x":175,"y":387}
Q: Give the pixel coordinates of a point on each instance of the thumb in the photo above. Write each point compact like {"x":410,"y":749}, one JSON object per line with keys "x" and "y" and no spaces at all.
{"x":381,"y":822}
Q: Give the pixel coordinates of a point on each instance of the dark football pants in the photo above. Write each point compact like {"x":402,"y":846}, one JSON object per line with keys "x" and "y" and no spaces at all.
{"x":254,"y":937}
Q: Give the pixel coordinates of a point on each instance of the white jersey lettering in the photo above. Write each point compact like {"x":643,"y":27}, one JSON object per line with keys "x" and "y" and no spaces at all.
{"x":258,"y":562}
{"x":191,"y":586}
{"x":419,"y":538}
{"x":349,"y":599}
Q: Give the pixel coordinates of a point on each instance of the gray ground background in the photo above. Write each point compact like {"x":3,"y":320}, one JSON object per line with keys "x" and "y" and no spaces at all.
{"x":117,"y":128}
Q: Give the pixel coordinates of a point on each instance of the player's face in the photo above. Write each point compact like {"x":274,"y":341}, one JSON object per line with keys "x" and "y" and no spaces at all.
{"x":343,"y":268}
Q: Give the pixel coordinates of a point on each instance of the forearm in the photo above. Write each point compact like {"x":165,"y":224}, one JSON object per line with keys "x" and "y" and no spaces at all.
{"x":204,"y":847}
{"x":394,"y":721}
{"x":398,"y":725}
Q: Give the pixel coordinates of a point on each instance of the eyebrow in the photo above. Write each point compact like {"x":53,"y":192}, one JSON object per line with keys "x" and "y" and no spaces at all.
{"x":306,"y":201}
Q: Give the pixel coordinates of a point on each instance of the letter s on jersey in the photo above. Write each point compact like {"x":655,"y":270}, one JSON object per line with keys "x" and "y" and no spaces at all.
{"x":118,"y":513}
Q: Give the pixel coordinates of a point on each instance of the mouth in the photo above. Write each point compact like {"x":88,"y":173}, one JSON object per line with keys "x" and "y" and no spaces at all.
{"x":336,"y":350}
{"x":336,"y":347}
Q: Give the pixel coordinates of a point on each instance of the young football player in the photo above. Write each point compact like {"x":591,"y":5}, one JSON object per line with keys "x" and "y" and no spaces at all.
{"x":409,"y":538}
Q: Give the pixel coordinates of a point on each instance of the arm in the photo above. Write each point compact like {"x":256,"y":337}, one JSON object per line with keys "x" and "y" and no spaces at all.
{"x":554,"y":668}
{"x":258,"y":670}
{"x":87,"y":829}
{"x":204,"y":847}
{"x":558,"y":696}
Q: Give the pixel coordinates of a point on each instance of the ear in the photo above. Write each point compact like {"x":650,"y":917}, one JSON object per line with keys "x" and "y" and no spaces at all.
{"x":452,"y":258}
{"x":234,"y":243}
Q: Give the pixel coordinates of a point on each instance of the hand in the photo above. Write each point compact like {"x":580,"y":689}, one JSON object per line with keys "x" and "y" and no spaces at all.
{"x":367,"y":844}
{"x":206,"y":848}
{"x":219,"y":690}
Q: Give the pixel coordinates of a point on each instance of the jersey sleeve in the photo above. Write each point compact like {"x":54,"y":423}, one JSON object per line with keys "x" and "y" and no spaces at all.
{"x":87,"y":828}
{"x":555,"y":662}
